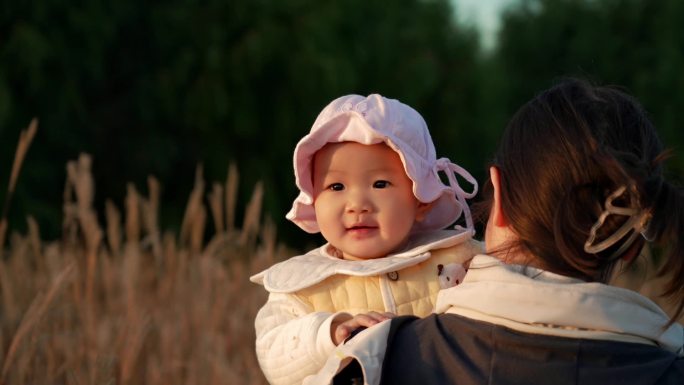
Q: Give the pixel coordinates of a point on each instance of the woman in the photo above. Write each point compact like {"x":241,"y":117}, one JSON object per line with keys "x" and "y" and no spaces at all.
{"x":577,"y":188}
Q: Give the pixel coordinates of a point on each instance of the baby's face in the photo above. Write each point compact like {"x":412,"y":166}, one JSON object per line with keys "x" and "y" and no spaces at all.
{"x":363,"y":199}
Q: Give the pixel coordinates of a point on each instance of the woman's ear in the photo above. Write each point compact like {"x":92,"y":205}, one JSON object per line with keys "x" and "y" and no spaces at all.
{"x":496,"y":216}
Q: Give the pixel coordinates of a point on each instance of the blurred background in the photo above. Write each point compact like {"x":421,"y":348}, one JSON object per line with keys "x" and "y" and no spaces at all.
{"x":158,"y":87}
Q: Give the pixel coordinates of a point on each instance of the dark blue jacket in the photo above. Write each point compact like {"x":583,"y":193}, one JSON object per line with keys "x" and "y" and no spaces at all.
{"x":450,"y":349}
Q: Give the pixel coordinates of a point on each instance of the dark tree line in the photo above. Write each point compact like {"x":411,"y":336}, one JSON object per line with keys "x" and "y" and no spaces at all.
{"x":157,"y":87}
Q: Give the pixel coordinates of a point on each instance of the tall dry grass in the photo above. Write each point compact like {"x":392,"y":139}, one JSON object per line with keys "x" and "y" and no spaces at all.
{"x":124,"y":302}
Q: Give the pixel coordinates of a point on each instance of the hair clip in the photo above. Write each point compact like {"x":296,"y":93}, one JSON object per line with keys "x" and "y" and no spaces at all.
{"x":637,"y":224}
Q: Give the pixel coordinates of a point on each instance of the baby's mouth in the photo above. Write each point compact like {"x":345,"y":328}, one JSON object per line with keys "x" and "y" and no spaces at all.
{"x":361,"y":229}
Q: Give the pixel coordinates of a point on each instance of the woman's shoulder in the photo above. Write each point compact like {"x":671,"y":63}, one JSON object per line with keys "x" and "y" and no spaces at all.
{"x":464,"y":349}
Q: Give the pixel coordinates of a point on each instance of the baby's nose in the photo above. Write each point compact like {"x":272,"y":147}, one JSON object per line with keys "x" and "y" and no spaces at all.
{"x":358,"y":203}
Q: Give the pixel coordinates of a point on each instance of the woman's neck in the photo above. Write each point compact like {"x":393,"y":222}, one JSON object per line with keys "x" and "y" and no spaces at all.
{"x":504,"y":244}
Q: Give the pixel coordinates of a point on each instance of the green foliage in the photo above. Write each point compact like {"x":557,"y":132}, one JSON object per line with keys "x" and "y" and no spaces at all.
{"x":633,"y":43}
{"x":155,"y":88}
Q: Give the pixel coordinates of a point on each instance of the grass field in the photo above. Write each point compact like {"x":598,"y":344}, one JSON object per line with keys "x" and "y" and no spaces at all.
{"x":123,"y":302}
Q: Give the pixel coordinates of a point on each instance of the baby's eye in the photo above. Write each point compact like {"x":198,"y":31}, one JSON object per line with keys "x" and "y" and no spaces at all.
{"x":336,"y":187}
{"x":381,"y":184}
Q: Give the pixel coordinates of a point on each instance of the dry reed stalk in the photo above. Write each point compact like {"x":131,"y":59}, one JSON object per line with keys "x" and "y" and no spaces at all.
{"x":197,"y":231}
{"x":150,"y":215}
{"x":25,"y":139}
{"x":132,"y":216}
{"x":34,"y":241}
{"x":54,"y":261}
{"x":217,"y":246}
{"x":216,"y":205}
{"x":153,"y":371}
{"x":113,"y":219}
{"x":223,"y":203}
{"x":268,"y":240}
{"x":19,"y":265}
{"x":135,"y":333}
{"x":70,"y":215}
{"x":36,"y":310}
{"x":205,"y":281}
{"x":3,"y":231}
{"x":80,"y":177}
{"x":220,"y":307}
{"x":130,"y":276}
{"x":2,"y":343}
{"x":171,"y":343}
{"x":109,"y":280}
{"x":81,"y":180}
{"x":192,"y":227}
{"x":182,"y":266}
{"x":10,"y":308}
{"x":135,"y":327}
{"x":250,"y":224}
{"x":167,"y":280}
{"x":75,"y":377}
{"x":231,"y":196}
{"x":35,"y":245}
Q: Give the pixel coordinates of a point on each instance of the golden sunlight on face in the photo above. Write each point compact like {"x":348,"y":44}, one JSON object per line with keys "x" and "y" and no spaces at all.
{"x":363,"y":199}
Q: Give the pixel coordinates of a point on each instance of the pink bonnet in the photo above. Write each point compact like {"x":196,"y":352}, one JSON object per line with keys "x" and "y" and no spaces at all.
{"x":376,"y":119}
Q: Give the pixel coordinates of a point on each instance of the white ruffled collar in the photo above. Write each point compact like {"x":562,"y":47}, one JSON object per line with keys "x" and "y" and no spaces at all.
{"x":303,"y":271}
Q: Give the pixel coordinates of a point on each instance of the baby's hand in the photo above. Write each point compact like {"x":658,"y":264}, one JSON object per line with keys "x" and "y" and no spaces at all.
{"x":341,"y":329}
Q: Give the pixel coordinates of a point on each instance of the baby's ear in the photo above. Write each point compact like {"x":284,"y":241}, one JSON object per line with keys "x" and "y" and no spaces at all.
{"x":422,"y":211}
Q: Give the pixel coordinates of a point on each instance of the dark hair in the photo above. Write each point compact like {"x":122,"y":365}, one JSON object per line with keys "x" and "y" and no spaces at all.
{"x":561,"y":156}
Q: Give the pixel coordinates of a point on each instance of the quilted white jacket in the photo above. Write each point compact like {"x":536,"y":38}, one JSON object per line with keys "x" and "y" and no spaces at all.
{"x":293,"y":337}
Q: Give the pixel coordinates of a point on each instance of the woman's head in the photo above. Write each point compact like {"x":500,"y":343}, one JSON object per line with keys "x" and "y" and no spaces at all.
{"x":562,"y":162}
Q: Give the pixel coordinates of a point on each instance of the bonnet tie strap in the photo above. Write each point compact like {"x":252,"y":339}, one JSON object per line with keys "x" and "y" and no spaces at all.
{"x":451,"y":170}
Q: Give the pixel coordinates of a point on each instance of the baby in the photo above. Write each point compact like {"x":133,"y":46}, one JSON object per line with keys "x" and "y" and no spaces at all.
{"x":369,"y":182}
